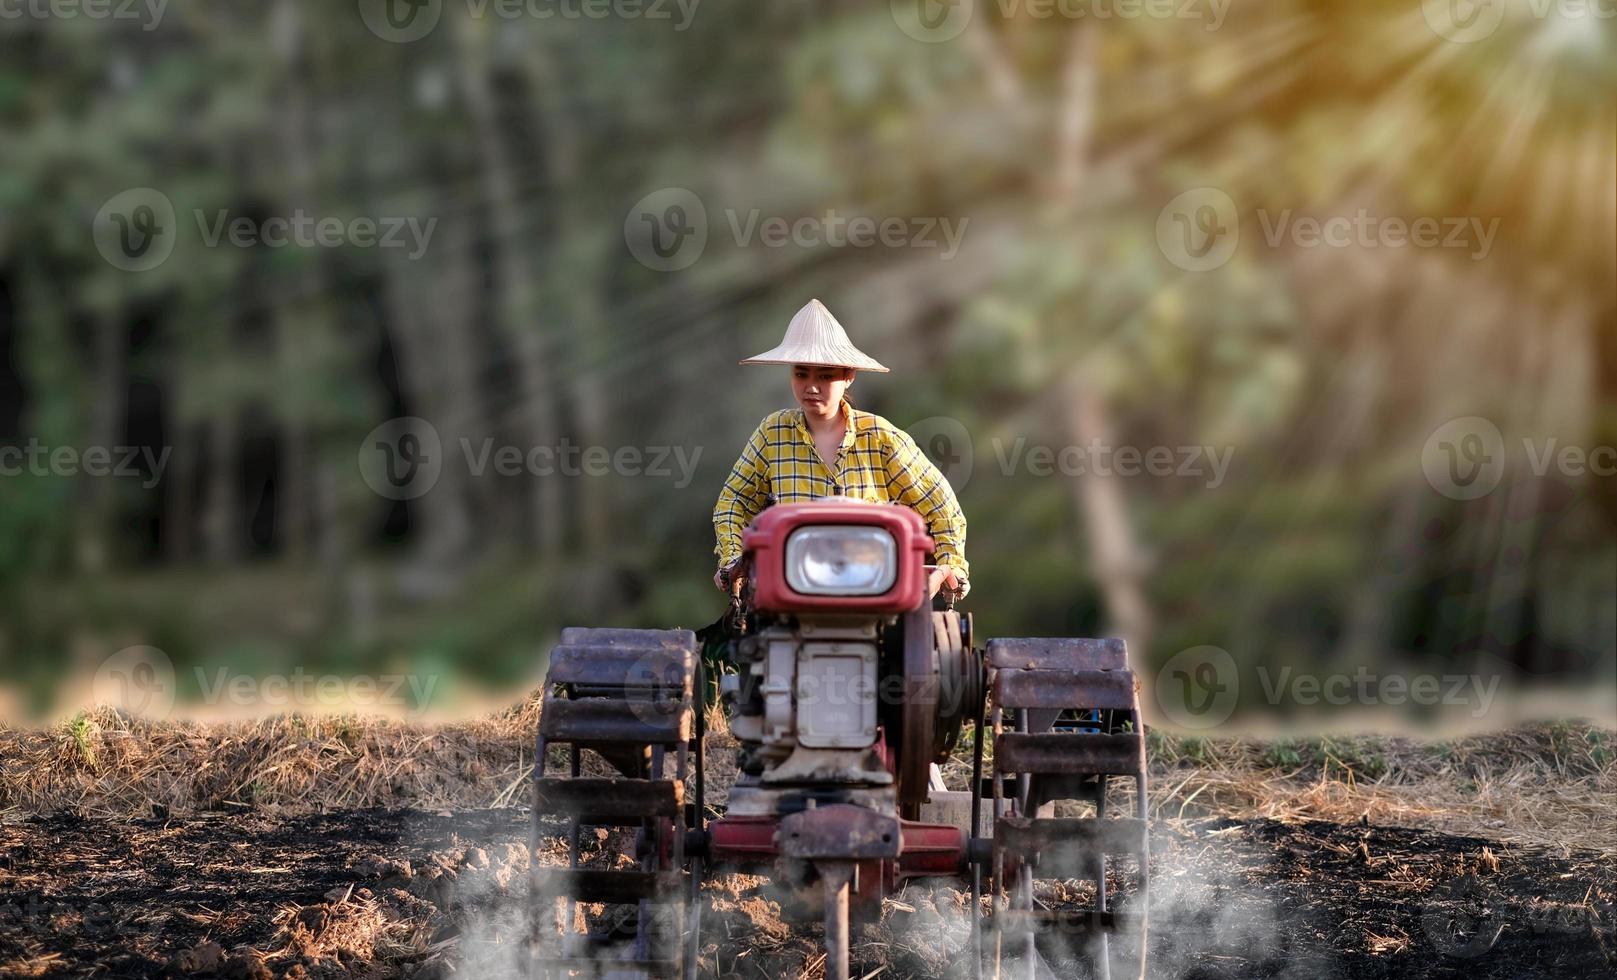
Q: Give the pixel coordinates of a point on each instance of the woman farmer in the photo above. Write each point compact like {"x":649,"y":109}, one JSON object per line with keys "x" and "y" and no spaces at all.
{"x":827,"y":448}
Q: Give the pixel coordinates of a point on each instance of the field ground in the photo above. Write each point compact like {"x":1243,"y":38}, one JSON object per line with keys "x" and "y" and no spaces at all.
{"x":342,"y":847}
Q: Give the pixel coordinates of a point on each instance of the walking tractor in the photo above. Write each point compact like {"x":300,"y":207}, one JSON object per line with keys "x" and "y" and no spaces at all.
{"x":844,"y":687}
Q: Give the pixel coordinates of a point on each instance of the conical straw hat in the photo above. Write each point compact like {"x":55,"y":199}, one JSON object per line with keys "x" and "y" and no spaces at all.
{"x":815,"y":337}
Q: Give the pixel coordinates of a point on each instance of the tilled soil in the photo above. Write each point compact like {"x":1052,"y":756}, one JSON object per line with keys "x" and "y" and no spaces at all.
{"x":402,"y":893}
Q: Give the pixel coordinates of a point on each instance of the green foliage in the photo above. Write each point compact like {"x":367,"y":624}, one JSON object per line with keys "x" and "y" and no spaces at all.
{"x":1360,"y":758}
{"x":1319,"y":372}
{"x":1284,"y":753}
{"x":83,"y":732}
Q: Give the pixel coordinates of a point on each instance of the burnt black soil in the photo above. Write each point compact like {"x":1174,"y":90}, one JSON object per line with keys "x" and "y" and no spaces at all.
{"x":398,"y":893}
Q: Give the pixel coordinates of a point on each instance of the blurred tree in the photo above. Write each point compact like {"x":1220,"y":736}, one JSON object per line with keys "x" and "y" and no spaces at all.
{"x":1053,"y":143}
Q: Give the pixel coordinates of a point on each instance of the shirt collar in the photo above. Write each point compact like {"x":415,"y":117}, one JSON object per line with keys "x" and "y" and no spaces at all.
{"x":849,"y":413}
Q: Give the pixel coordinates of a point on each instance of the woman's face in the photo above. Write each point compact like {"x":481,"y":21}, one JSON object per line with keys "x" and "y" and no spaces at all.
{"x":819,"y":389}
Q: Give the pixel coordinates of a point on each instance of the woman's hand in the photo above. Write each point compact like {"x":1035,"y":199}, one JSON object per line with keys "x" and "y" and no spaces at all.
{"x":733,"y":571}
{"x":940,"y":576}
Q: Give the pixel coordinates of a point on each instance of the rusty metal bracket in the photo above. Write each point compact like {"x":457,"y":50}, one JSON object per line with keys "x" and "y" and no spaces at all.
{"x":839,"y":832}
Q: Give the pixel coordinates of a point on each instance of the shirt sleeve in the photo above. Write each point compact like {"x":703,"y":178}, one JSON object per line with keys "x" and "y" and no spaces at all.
{"x":742,"y":497}
{"x":912,"y":480}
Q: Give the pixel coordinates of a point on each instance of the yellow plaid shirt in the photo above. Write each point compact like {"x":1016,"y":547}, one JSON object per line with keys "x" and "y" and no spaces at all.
{"x":878,"y":462}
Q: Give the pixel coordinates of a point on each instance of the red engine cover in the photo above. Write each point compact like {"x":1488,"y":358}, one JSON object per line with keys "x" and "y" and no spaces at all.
{"x":764,"y":543}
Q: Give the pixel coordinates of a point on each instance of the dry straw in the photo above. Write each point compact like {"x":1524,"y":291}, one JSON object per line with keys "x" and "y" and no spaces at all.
{"x":1550,"y":785}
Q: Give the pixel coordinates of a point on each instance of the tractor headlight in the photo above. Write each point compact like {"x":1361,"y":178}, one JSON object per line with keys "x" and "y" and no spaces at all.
{"x":841,"y":560}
